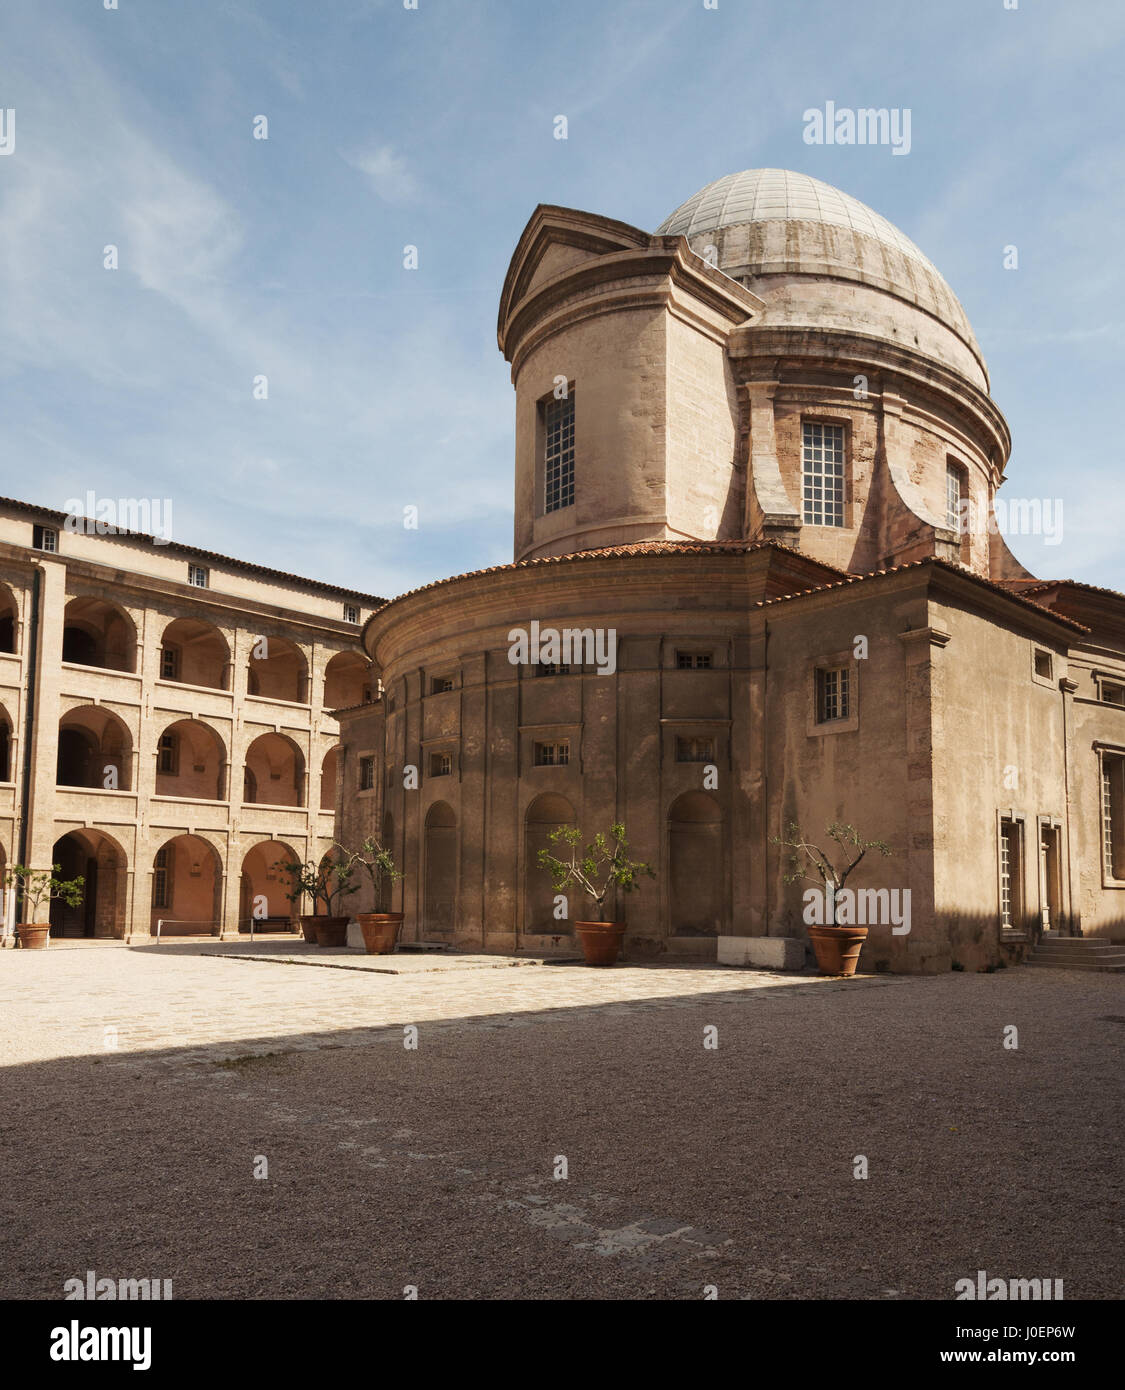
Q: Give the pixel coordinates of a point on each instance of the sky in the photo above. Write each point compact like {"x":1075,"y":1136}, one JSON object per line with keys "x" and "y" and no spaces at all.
{"x":242,"y":258}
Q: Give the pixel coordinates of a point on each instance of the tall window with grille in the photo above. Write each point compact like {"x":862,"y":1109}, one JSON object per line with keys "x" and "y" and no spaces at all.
{"x":558,"y":455}
{"x":160,"y":879}
{"x":833,"y":694}
{"x":822,"y":461}
{"x":1113,"y":814}
{"x":1011,"y":873}
{"x":366,"y":774}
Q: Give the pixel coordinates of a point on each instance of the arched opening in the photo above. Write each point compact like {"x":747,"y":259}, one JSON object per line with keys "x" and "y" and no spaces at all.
{"x":439,"y":902}
{"x":186,"y":887}
{"x":344,"y":679}
{"x":328,"y":771}
{"x":262,"y":898}
{"x":100,"y":861}
{"x":95,"y":750}
{"x":274,"y":773}
{"x":9,"y":616}
{"x":191,"y":762}
{"x":196,"y":653}
{"x":545,"y":814}
{"x":98,"y":633}
{"x":696,"y":882}
{"x":6,"y":772}
{"x":277,"y":670}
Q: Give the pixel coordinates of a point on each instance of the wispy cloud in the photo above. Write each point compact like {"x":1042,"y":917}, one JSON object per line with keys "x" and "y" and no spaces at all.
{"x":388,"y":173}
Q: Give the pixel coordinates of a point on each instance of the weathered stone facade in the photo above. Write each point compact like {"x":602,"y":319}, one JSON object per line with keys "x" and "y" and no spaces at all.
{"x":981,"y":709}
{"x":142,"y":713}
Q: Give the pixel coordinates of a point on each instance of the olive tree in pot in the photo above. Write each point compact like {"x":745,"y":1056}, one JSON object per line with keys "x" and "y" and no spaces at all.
{"x":380,"y":929}
{"x":37,"y":888}
{"x":328,"y":882}
{"x":603,"y":864}
{"x":837,"y":945}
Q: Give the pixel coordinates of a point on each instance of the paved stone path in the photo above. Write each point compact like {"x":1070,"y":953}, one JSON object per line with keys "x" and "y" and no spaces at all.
{"x":558,"y":1132}
{"x":234,"y":999}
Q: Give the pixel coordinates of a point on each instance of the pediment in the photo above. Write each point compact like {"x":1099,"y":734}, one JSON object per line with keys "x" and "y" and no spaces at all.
{"x":557,"y":239}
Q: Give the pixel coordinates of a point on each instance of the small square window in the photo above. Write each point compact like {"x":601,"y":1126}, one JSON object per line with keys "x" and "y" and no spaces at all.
{"x":1112,"y":693}
{"x":833,"y":694}
{"x":440,"y":684}
{"x":695,"y":750}
{"x":441,"y":764}
{"x":45,"y":538}
{"x":366,"y":774}
{"x":351,"y":613}
{"x":1044,"y":666}
{"x":197,"y":576}
{"x":554,"y":754}
{"x":694,"y":661}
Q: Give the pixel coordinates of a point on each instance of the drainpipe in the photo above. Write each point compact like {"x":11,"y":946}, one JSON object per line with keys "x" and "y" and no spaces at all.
{"x":29,"y":724}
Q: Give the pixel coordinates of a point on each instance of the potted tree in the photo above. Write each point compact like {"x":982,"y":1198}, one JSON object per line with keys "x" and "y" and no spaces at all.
{"x":380,"y":929}
{"x":328,"y":882}
{"x":836,"y":947}
{"x":37,"y":888}
{"x":604,"y":864}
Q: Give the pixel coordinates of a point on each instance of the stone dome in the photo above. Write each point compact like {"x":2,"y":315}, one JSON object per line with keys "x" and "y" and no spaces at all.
{"x":777,"y":223}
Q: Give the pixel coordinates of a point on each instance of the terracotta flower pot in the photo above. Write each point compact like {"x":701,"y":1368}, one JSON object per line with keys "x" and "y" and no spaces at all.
{"x":837,"y":948}
{"x":308,"y":929}
{"x":34,"y":936}
{"x":600,"y":941}
{"x":331,"y":931}
{"x":380,"y":931}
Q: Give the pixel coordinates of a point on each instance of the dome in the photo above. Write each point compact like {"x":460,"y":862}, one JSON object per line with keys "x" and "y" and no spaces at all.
{"x":774,"y":222}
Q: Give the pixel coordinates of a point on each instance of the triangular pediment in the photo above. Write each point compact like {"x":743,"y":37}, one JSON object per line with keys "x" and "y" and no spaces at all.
{"x":554,"y":241}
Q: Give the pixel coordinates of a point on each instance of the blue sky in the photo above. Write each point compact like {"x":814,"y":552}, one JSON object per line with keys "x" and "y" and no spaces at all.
{"x":434,"y":127}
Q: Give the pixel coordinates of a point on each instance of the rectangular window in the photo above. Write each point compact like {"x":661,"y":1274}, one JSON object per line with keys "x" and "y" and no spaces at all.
{"x":693,"y":661}
{"x":166,"y":756}
{"x":441,"y":764}
{"x":160,"y":880}
{"x":351,"y":613}
{"x":552,"y":754}
{"x":823,"y":472}
{"x":1043,"y":664}
{"x":45,"y":538}
{"x":956,"y":489}
{"x":558,"y":455}
{"x":551,"y":668}
{"x":197,"y":576}
{"x":169,"y":664}
{"x":833,"y":694}
{"x":695,"y":750}
{"x":440,"y":684}
{"x":366,"y":774}
{"x":1011,"y":874}
{"x":1112,"y":694}
{"x":1113,"y":814}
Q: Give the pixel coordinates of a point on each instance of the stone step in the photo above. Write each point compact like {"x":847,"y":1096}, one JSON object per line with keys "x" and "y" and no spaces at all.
{"x":1111,"y":967}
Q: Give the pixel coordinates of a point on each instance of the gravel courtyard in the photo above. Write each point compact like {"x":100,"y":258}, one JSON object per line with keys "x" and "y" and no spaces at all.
{"x":143,"y":1088}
